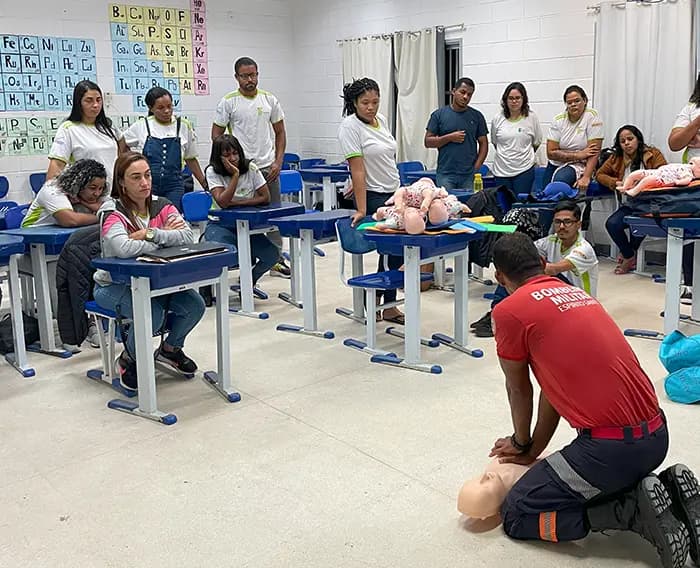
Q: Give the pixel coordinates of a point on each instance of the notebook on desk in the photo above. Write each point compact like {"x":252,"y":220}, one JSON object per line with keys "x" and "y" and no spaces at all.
{"x":175,"y":254}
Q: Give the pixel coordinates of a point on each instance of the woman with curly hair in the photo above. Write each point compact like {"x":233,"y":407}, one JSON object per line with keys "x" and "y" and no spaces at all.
{"x":71,"y":199}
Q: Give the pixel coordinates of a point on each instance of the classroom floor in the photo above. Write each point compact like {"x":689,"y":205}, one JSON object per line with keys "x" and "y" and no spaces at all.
{"x":328,"y":460}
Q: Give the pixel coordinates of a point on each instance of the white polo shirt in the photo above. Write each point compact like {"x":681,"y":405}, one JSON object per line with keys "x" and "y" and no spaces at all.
{"x":247,"y":184}
{"x":77,"y":140}
{"x":49,"y":200}
{"x":250,"y":120}
{"x":581,"y":254}
{"x":575,"y":136}
{"x":515,"y":142}
{"x":376,"y":146}
{"x":688,"y":113}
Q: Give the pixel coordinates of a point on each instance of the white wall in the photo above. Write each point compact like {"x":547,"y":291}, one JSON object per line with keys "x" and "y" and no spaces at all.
{"x":259,"y":29}
{"x":546,"y":44}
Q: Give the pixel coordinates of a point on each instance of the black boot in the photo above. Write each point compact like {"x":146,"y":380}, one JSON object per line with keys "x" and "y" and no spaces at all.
{"x":684,"y":489}
{"x":647,"y":511}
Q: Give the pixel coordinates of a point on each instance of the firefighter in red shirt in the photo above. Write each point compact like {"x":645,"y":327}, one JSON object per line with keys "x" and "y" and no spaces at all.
{"x":603,"y":479}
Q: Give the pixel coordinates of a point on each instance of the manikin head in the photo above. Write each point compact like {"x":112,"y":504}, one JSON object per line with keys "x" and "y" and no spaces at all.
{"x":438,"y":213}
{"x":482,"y":497}
{"x":413,"y":220}
{"x":695,"y":164}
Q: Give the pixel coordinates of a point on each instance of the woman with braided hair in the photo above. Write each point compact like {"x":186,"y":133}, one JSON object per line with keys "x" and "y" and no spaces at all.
{"x":370,"y":149}
{"x":71,"y":199}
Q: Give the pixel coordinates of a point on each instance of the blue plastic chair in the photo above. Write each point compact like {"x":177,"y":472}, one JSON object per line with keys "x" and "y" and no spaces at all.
{"x":4,"y":186}
{"x":291,"y":182}
{"x":37,"y":180}
{"x":195,"y":206}
{"x":290,"y":161}
{"x":538,"y":182}
{"x":353,"y":241}
{"x":5,"y":206}
{"x":405,"y":167}
{"x":15,"y":215}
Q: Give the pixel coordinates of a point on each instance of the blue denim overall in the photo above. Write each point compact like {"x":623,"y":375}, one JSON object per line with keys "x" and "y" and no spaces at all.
{"x":165,"y":157}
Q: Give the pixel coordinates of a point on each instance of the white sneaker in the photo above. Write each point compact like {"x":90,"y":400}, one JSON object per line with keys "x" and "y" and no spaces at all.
{"x":93,"y":337}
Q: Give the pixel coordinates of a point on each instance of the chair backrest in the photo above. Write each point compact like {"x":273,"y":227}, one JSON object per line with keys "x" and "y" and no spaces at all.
{"x":37,"y":180}
{"x":15,"y":215}
{"x":351,"y":240}
{"x":4,"y":186}
{"x":290,"y":182}
{"x":311,"y":162}
{"x":5,"y":206}
{"x":290,"y":161}
{"x":538,"y":182}
{"x":405,"y":167}
{"x":196,"y":205}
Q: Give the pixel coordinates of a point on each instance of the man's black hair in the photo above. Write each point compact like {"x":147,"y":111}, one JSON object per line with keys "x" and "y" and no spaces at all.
{"x":516,"y":256}
{"x":568,"y":205}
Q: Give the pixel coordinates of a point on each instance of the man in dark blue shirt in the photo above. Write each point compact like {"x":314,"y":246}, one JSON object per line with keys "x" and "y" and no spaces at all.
{"x":456,"y":130}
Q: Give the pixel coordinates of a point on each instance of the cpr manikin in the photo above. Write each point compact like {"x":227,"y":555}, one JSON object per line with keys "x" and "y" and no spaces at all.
{"x":410,"y":206}
{"x":669,"y":175}
{"x":482,"y":497}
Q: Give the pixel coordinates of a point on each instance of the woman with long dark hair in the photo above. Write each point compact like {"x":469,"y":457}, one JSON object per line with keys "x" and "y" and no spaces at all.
{"x":235,"y":181}
{"x":516,"y":134}
{"x":86,"y":133}
{"x":630,"y":153}
{"x":168,"y":142}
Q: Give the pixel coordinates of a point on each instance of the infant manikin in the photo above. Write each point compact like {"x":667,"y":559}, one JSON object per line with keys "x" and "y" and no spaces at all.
{"x":410,"y":206}
{"x":482,"y":497}
{"x":669,"y":175}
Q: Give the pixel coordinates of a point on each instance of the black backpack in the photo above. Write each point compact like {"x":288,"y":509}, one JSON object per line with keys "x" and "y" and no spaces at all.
{"x":679,"y":202}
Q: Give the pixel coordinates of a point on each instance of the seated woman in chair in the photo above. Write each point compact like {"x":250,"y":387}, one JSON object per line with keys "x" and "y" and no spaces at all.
{"x":137,"y":222}
{"x":630,"y":154}
{"x":71,"y":199}
{"x":235,"y":181}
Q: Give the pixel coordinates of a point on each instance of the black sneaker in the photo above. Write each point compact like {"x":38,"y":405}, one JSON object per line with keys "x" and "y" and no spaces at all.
{"x":684,"y":489}
{"x":656,"y":523}
{"x":483,"y":319}
{"x":687,"y":295}
{"x":127,"y":372}
{"x":484,"y":329}
{"x":176,"y":359}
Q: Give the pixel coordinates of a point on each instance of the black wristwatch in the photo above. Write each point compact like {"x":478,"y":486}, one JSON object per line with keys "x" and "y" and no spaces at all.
{"x":522,"y":448}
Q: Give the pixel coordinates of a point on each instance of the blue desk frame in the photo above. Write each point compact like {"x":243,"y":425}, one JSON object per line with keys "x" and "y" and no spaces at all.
{"x":676,"y":231}
{"x":40,"y":242}
{"x":148,"y":280}
{"x":310,"y":229}
{"x":11,"y":249}
{"x":417,"y":250}
{"x":248,"y":221}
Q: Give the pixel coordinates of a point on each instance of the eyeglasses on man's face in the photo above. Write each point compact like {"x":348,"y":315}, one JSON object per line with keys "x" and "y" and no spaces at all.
{"x":246,"y":76}
{"x":565,"y":222}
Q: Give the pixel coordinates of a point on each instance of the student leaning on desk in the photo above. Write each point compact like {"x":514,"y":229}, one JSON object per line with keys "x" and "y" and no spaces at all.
{"x":136,"y":222}
{"x":71,"y":199}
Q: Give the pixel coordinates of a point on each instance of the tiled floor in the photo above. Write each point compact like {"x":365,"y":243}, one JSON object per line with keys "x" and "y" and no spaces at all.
{"x":328,"y":461}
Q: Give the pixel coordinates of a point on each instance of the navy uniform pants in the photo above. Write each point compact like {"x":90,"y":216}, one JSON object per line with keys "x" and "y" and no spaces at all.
{"x":549,"y":502}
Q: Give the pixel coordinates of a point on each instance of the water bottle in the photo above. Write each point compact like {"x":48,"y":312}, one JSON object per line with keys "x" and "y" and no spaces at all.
{"x":478,"y":183}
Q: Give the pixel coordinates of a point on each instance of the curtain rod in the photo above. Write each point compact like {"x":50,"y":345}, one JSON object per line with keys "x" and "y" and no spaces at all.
{"x":595,"y":8}
{"x":390,"y":35}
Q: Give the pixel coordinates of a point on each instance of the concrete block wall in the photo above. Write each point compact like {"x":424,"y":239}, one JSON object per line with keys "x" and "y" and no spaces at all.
{"x":235,"y":28}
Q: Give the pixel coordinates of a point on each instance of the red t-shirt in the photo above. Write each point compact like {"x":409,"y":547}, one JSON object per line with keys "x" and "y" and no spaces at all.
{"x":581,"y":360}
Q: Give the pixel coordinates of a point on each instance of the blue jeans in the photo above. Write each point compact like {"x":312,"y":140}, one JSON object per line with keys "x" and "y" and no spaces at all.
{"x":455,"y":181}
{"x":263,"y":252}
{"x":185,"y":308}
{"x":567,"y":174}
{"x":616,"y":228}
{"x":522,"y":183}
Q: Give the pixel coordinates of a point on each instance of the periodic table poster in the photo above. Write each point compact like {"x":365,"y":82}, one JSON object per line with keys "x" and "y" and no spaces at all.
{"x":39,"y":72}
{"x":159,"y":46}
